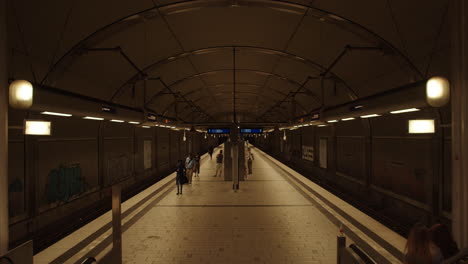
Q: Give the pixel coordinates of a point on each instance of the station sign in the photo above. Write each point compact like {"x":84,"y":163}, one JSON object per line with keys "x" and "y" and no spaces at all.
{"x":219,"y":131}
{"x":151,"y":117}
{"x":315,"y":116}
{"x":251,"y":130}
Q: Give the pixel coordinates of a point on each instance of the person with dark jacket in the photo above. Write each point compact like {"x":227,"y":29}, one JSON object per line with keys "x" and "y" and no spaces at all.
{"x":210,"y":151}
{"x":180,"y":176}
{"x":197,"y":165}
{"x":219,"y":164}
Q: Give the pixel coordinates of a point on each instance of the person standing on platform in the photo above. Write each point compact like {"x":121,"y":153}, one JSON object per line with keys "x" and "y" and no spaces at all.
{"x":189,"y":163}
{"x":210,"y":151}
{"x":219,"y":164}
{"x":181,"y":179}
{"x":197,"y":165}
{"x":250,"y":158}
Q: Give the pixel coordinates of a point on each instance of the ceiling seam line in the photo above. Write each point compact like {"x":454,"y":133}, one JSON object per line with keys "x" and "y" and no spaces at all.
{"x":183,"y":50}
{"x":436,"y":40}
{"x":288,"y":42}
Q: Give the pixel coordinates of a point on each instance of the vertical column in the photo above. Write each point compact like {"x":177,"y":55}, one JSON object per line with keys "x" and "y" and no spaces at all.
{"x":459,"y":13}
{"x":3,"y":131}
{"x":116,"y":224}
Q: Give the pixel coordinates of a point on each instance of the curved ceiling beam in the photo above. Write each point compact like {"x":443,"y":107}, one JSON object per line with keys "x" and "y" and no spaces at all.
{"x":202,"y":74}
{"x":228,"y":101}
{"x":137,"y":18}
{"x":262,"y":102}
{"x":210,"y":50}
{"x":253,"y":85}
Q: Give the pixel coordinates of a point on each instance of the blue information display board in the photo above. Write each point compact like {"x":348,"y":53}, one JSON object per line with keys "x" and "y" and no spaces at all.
{"x":219,"y":130}
{"x":251,"y":130}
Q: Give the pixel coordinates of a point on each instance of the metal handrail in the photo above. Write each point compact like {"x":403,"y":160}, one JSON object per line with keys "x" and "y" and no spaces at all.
{"x":7,"y":259}
{"x":89,"y":260}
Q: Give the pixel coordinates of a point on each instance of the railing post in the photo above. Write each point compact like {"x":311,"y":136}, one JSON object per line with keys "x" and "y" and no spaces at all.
{"x":340,"y":246}
{"x":116,"y":224}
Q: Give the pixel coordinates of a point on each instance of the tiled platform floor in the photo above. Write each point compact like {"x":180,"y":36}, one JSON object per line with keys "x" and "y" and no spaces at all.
{"x":266,"y":221}
{"x":277,"y":216}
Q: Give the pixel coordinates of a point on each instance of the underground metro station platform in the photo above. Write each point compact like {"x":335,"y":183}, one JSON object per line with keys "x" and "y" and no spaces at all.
{"x":342,"y":126}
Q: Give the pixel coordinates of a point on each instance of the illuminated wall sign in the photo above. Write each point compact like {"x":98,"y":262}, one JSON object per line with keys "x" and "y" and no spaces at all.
{"x":251,"y":130}
{"x":151,"y":117}
{"x":108,"y":109}
{"x":219,"y":130}
{"x":315,"y":116}
{"x":421,"y":126}
{"x":36,"y":127}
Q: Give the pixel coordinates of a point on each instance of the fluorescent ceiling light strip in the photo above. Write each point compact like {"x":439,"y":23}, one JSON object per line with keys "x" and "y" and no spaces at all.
{"x":347,"y":119}
{"x":117,"y":121}
{"x":133,"y":122}
{"x":321,"y":125}
{"x":55,"y":114}
{"x":405,"y":111}
{"x":368,"y":116}
{"x":93,"y":118}
{"x":332,"y":121}
{"x":145,"y":127}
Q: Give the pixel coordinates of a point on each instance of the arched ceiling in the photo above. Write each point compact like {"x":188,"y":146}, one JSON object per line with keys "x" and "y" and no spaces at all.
{"x":263,"y":60}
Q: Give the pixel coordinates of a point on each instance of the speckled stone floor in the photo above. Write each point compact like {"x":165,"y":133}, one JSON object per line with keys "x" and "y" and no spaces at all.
{"x":266,"y":221}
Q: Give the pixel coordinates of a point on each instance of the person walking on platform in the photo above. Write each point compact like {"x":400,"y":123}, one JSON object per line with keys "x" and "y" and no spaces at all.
{"x":197,"y":165}
{"x":219,"y":164}
{"x":210,"y":151}
{"x":250,"y":158}
{"x":181,"y":179}
{"x":189,"y":164}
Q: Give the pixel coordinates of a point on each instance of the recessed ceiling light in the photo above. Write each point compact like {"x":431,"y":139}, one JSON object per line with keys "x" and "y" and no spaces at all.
{"x":332,"y":121}
{"x":55,"y":114}
{"x":133,"y":122}
{"x":368,"y":116}
{"x":321,"y":125}
{"x":405,"y":111}
{"x":145,"y":126}
{"x":117,"y":121}
{"x":93,"y":118}
{"x":347,"y":119}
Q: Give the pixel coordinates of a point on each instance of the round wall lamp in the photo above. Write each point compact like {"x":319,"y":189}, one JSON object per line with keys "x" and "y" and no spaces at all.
{"x":21,"y":94}
{"x":437,"y":91}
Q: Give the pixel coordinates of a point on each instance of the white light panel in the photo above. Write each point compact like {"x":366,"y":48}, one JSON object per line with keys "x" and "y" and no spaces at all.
{"x":37,"y":127}
{"x":421,"y":126}
{"x":55,"y":114}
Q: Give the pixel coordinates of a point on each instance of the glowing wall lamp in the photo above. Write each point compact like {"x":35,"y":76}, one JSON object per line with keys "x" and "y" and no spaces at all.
{"x":437,"y":91}
{"x":41,"y":128}
{"x":184,"y":138}
{"x":284,"y":135}
{"x":21,"y":94}
{"x":421,"y":126}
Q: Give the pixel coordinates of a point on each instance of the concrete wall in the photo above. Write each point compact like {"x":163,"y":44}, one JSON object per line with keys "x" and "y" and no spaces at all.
{"x":58,"y":177}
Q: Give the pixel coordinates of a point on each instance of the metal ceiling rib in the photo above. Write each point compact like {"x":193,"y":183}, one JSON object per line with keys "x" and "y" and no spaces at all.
{"x":276,"y":76}
{"x":65,"y":62}
{"x":268,"y":51}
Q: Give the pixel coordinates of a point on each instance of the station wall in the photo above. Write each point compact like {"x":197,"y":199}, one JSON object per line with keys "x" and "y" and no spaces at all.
{"x":58,"y":179}
{"x":375,"y":164}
